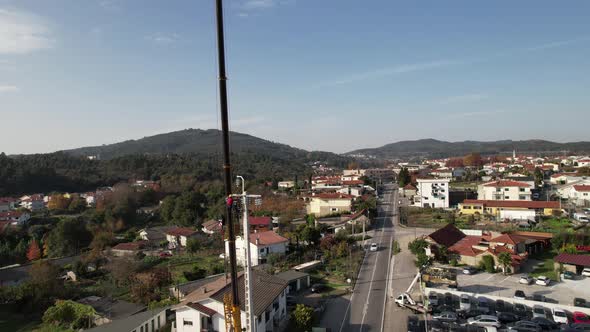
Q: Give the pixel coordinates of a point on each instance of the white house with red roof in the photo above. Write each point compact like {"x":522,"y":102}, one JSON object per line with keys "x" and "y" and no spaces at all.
{"x":33,"y":203}
{"x":262,"y":244}
{"x":504,"y":190}
{"x":8,"y":203}
{"x":584,"y":162}
{"x":179,"y":236}
{"x":581,"y":194}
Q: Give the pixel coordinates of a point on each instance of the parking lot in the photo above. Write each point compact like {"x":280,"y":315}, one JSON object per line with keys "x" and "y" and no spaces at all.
{"x":501,"y":285}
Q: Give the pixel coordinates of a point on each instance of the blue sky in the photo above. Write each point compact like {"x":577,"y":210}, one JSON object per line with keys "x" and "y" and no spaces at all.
{"x":316,"y":74}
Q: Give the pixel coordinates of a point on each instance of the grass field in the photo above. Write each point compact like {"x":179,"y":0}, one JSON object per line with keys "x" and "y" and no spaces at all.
{"x":547,"y":267}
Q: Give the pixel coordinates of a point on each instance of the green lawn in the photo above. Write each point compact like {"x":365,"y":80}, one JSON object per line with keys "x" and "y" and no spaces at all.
{"x":547,"y":268}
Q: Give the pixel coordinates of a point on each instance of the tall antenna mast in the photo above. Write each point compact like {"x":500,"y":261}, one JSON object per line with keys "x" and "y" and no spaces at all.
{"x":231,"y":237}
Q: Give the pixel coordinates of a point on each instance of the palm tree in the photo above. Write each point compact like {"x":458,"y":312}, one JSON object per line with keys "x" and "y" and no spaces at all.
{"x":505,"y":259}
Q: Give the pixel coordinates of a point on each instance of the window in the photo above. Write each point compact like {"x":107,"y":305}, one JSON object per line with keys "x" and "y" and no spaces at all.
{"x":153,"y":325}
{"x":498,"y":189}
{"x":521,"y":197}
{"x":506,"y":189}
{"x":187,"y":322}
{"x":158,"y":322}
{"x":141,"y":329}
{"x":521,"y":190}
{"x":506,"y":197}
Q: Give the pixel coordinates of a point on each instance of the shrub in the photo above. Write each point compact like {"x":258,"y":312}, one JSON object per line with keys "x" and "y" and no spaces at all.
{"x":487,"y":264}
{"x":417,"y":246}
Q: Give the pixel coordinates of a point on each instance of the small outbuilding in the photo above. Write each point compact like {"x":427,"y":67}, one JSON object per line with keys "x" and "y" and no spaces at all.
{"x":572,"y":262}
{"x":297,"y":280}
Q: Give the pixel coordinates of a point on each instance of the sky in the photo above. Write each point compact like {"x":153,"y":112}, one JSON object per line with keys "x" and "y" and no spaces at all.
{"x":334,"y":75}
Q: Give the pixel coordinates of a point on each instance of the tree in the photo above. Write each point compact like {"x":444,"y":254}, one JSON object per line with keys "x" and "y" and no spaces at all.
{"x":538,"y":177}
{"x":303,"y":317}
{"x":487,"y":263}
{"x":68,"y":237}
{"x":505,"y":259}
{"x":193,"y":246}
{"x":473,"y":159}
{"x":34,"y":252}
{"x":404,"y":177}
{"x":309,"y":234}
{"x":70,"y":315}
{"x":77,"y":205}
{"x":58,"y":202}
{"x":417,"y":246}
{"x":422,"y":260}
{"x":454,"y":162}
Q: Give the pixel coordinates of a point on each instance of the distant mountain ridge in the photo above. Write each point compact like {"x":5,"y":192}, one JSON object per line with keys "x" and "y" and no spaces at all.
{"x":440,"y":149}
{"x":191,"y":141}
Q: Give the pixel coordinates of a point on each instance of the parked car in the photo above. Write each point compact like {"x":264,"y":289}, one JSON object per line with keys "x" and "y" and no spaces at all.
{"x":586,"y":272}
{"x":433,"y":299}
{"x":436,"y":326}
{"x":465,"y":302}
{"x":446,"y":317}
{"x":580,"y":302}
{"x":414,"y":324}
{"x":559,"y":316}
{"x":525,"y":325}
{"x":374,"y":247}
{"x":580,"y":318}
{"x":317,"y":288}
{"x":539,"y":298}
{"x":525,"y":279}
{"x":521,"y":310}
{"x":567,"y":275}
{"x":449,"y":299}
{"x":483,"y":305}
{"x":165,"y":254}
{"x":469,"y":270}
{"x":545,"y":323}
{"x":539,"y":311}
{"x":442,"y":308}
{"x":500,"y":306}
{"x":473,"y":312}
{"x":508,"y":317}
{"x":484,"y":320}
{"x":519,"y":295}
{"x":575,"y":327}
{"x":543,"y":281}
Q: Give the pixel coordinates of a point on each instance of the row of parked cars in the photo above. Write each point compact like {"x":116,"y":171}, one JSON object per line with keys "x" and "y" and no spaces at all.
{"x":452,"y":312}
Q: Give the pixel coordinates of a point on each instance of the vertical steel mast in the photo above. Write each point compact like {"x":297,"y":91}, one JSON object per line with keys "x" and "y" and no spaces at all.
{"x":231,"y":237}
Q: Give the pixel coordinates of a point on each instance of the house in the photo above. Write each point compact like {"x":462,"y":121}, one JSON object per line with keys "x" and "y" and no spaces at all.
{"x":521,"y":178}
{"x":262,"y":244}
{"x":504,"y":190}
{"x":33,"y":203}
{"x":7,"y":204}
{"x":432,"y":193}
{"x":90,"y":198}
{"x":108,"y":309}
{"x":212,"y":226}
{"x":260,"y":223}
{"x":585,"y":162}
{"x":154,"y":235}
{"x":564,"y":178}
{"x":409,"y":190}
{"x":580,"y":195}
{"x":178,"y":236}
{"x":296,"y":280}
{"x":286,"y":184}
{"x":181,"y":291}
{"x":203,"y":310}
{"x":329,"y":203}
{"x":15,"y":217}
{"x":510,"y":210}
{"x":572,"y":262}
{"x":147,"y":321}
{"x":442,"y":173}
{"x":567,"y":191}
{"x":470,"y":246}
{"x":128,"y":248}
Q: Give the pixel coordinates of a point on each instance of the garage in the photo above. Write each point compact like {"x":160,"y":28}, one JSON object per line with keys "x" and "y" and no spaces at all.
{"x":572,"y":262}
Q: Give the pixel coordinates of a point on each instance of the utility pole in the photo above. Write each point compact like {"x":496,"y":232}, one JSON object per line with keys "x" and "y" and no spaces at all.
{"x":250,"y":324}
{"x":231,"y":237}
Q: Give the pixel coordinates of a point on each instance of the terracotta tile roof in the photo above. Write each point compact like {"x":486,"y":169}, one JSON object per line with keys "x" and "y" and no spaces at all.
{"x":447,"y":236}
{"x":514,"y":204}
{"x":562,"y":174}
{"x":464,"y":247}
{"x":206,"y":290}
{"x":10,"y":215}
{"x":201,"y":308}
{"x":265,"y":289}
{"x":583,"y":260}
{"x":212,"y":225}
{"x":409,"y":186}
{"x":259,"y":221}
{"x":507,"y":183}
{"x":8,"y":200}
{"x":267,"y":238}
{"x":181,"y":231}
{"x":130,"y":245}
{"x":353,"y":182}
{"x":582,"y":187}
{"x":508,"y":238}
{"x":333,"y":196}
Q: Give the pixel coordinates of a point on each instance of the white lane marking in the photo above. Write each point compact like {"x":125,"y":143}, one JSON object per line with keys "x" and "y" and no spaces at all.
{"x":352,"y":296}
{"x":505,"y":279}
{"x":490,"y":277}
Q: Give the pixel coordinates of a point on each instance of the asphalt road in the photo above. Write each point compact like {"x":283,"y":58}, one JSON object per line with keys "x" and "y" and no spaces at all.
{"x":366,"y":307}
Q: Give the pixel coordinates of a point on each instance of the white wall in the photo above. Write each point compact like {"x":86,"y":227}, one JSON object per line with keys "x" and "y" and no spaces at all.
{"x":505,"y":193}
{"x":255,"y":251}
{"x":427,"y":188}
{"x":518,"y":214}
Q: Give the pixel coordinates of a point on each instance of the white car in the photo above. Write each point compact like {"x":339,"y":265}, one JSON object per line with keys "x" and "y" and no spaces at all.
{"x":543,"y":281}
{"x":465,"y":302}
{"x":374,"y":247}
{"x":539,"y":311}
{"x":525,"y":280}
{"x":586,"y":272}
{"x":484,"y":320}
{"x":559,"y":316}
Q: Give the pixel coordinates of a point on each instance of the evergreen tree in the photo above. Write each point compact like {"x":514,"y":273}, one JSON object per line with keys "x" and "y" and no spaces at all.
{"x":34,"y":252}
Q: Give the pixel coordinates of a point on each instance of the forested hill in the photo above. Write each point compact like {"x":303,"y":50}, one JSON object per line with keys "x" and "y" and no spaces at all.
{"x":180,"y":160}
{"x":439,"y":149}
{"x":190,"y":141}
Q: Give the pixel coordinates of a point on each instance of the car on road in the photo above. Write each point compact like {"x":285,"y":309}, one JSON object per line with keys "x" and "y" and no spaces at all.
{"x":446,"y":317}
{"x":559,"y":316}
{"x":568,"y":275}
{"x":374,"y":247}
{"x":580,"y":318}
{"x":539,"y":311}
{"x":545,"y":323}
{"x":465,"y":302}
{"x":508,"y":317}
{"x":586,"y":272}
{"x":525,"y":325}
{"x":317,"y":288}
{"x":433,"y":299}
{"x":525,"y":279}
{"x":484,"y":320}
{"x":542,"y":281}
{"x":483,"y":305}
{"x":469,"y":270}
{"x":519,"y":295}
